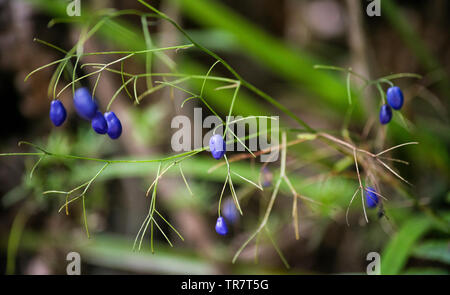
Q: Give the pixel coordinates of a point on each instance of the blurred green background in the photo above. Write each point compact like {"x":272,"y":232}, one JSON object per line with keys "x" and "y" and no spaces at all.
{"x":273,"y":44}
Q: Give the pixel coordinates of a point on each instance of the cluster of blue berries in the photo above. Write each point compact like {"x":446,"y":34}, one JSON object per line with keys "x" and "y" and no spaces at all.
{"x":218,"y":149}
{"x":371,"y":197}
{"x":394,"y":97}
{"x":87,"y":108}
{"x":230,"y":213}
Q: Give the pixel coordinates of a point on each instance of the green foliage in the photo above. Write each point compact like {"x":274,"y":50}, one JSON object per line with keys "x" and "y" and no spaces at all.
{"x":294,"y":64}
{"x":329,"y":195}
{"x":438,"y":250}
{"x":396,"y":253}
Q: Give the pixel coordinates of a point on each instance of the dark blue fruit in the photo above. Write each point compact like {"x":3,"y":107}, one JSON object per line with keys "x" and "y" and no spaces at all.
{"x":267,"y":177}
{"x":84,"y":103}
{"x":385,"y":114}
{"x":229,"y":211}
{"x":99,"y":123}
{"x":58,"y":113}
{"x":114,"y":125}
{"x":394,"y":97}
{"x":221,"y":226}
{"x":217,"y":146}
{"x":371,"y":197}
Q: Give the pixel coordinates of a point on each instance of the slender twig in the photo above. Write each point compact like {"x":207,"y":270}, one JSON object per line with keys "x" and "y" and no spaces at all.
{"x":360,"y":185}
{"x":348,"y":207}
{"x":271,"y":201}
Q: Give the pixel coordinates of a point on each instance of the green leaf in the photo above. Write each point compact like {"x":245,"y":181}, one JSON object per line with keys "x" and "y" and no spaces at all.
{"x":396,"y":253}
{"x":438,"y":250}
{"x":294,"y":64}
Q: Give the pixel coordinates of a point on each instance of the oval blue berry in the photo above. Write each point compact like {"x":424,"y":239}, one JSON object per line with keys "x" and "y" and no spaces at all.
{"x":230,"y":211}
{"x":114,"y":125}
{"x":217,"y":146}
{"x":99,"y":123}
{"x":394,"y":97}
{"x":385,"y":114}
{"x":58,"y":112}
{"x":85,"y":105}
{"x":221,"y":226}
{"x":267,"y":177}
{"x":371,"y":197}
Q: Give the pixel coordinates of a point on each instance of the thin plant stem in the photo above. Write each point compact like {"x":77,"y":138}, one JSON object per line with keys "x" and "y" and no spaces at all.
{"x":271,"y":201}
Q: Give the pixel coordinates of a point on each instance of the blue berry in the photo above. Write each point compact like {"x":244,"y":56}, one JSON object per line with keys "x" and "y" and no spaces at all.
{"x":217,"y":146}
{"x":221,"y":226}
{"x":84,"y":103}
{"x":394,"y":97}
{"x":58,"y":113}
{"x":371,"y":197}
{"x":385,"y":114}
{"x":114,"y":125}
{"x":267,"y":177}
{"x":229,"y":211}
{"x":99,"y":123}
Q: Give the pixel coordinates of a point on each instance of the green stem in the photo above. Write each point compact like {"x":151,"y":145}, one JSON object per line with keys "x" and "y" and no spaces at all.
{"x":244,"y":83}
